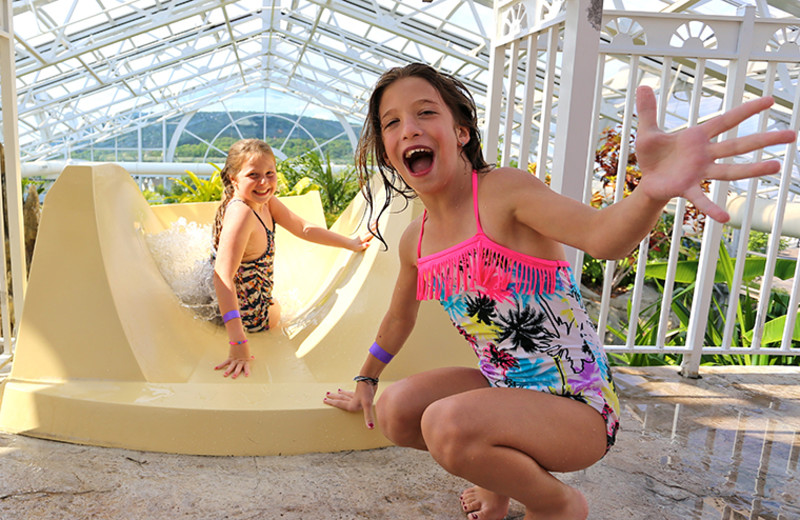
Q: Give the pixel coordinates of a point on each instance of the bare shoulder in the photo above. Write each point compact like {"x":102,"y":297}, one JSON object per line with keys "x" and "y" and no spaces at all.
{"x":275,"y":204}
{"x":238,"y":215}
{"x":409,"y":241}
{"x":508,"y":190}
{"x":510,"y":180}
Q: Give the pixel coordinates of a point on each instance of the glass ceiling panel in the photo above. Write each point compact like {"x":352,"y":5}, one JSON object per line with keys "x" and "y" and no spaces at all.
{"x":90,"y":70}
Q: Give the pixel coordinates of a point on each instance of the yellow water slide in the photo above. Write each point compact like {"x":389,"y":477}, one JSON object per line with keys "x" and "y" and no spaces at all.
{"x":107,"y":355}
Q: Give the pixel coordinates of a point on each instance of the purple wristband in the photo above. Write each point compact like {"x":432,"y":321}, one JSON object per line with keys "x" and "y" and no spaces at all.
{"x":379,"y":353}
{"x":228,"y":316}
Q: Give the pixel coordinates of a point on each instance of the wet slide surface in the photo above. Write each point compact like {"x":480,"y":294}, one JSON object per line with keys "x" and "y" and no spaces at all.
{"x":107,"y":355}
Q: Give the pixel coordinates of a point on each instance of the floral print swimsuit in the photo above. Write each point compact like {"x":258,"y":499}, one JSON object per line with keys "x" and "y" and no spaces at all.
{"x":523,"y":317}
{"x":254,"y":281}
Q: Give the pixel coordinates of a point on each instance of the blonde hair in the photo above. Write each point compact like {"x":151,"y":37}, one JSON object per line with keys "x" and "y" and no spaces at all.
{"x":239,"y":153}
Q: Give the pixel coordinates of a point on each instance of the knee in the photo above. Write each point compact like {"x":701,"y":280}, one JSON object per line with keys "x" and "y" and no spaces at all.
{"x":397,"y":416}
{"x":450,"y":433}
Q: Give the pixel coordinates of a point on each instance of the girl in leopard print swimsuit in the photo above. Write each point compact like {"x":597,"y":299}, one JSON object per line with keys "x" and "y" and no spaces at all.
{"x":244,"y":246}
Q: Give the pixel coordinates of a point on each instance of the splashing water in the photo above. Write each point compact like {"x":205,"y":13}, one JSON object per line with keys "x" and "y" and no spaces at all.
{"x":183,"y":255}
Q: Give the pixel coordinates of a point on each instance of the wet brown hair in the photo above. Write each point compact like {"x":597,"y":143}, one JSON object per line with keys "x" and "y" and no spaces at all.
{"x":371,"y":152}
{"x":239,"y":153}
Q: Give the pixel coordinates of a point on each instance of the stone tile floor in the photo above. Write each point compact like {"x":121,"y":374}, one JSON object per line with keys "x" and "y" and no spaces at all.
{"x":723,"y":447}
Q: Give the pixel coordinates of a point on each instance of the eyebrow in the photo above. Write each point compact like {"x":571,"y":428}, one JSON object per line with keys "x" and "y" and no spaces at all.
{"x":422,"y":101}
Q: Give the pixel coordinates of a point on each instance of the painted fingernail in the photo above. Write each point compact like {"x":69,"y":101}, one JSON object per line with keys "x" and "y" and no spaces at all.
{"x":370,"y":425}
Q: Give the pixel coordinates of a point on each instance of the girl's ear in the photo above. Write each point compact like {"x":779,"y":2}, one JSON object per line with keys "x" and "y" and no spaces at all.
{"x":462,"y":134}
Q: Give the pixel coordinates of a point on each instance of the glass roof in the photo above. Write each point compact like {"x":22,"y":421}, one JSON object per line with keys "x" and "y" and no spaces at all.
{"x":92,"y":70}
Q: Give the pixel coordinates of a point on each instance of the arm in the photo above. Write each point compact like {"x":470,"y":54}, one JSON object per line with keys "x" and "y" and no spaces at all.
{"x":394,"y":330}
{"x":673,"y":165}
{"x":301,"y":228}
{"x":236,"y":229}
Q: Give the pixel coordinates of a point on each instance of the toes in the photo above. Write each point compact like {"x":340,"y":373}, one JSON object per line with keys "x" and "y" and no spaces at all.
{"x":470,"y":504}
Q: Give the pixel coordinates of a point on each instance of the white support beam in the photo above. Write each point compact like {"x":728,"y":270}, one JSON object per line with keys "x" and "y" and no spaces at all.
{"x":576,"y":99}
{"x":13,"y":179}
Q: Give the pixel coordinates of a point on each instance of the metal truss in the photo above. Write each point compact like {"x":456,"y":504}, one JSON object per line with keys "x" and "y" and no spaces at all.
{"x":93,"y":70}
{"x":89,"y":70}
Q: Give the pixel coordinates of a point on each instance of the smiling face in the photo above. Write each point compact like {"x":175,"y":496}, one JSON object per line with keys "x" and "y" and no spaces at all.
{"x":420,"y":137}
{"x":257,"y":180}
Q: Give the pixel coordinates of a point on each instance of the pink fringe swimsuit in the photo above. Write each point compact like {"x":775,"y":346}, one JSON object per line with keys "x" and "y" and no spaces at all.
{"x":523,"y":317}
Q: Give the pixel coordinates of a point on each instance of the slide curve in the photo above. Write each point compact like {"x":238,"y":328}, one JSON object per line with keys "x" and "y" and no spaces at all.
{"x":106,"y":355}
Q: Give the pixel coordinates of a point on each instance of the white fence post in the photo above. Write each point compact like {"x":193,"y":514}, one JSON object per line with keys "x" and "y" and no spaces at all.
{"x":576,"y":102}
{"x":712,"y":235}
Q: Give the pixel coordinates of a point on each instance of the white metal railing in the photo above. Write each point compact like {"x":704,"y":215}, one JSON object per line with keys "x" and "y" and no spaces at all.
{"x":699,"y":66}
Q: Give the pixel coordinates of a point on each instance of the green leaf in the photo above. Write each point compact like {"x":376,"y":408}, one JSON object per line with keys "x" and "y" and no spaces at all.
{"x":686,"y":271}
{"x":773,"y":331}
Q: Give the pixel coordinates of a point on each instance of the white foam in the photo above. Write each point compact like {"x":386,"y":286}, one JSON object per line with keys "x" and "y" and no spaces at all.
{"x":183,"y":255}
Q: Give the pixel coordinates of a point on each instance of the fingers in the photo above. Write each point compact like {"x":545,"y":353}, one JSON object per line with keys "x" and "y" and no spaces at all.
{"x":369,"y":419}
{"x":235,"y":367}
{"x":697,"y":197}
{"x":343,"y":400}
{"x":749,"y":143}
{"x":646,"y":108}
{"x":374,"y":227}
{"x":350,"y":402}
{"x":727,"y":120}
{"x":734,"y":172}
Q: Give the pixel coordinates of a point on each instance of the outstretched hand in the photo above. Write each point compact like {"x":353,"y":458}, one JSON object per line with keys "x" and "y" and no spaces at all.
{"x":675,"y":164}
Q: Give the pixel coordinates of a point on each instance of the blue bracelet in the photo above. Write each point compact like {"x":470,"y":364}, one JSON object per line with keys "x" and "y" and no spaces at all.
{"x":380,"y":354}
{"x":228,"y":316}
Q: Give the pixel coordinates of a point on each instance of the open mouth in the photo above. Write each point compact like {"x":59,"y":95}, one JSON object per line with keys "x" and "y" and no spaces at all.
{"x":418,"y":160}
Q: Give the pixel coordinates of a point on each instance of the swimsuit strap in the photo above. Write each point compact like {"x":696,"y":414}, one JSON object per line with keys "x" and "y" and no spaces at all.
{"x":475,"y":201}
{"x":259,"y":219}
{"x":254,"y":213}
{"x":421,"y":230}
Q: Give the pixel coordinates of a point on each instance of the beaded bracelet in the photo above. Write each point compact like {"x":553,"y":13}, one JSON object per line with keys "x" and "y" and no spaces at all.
{"x":380,"y":354}
{"x":371,"y":380}
{"x":237,"y":342}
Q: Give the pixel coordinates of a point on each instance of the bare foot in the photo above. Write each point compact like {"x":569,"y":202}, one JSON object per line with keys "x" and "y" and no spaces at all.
{"x":482,"y":504}
{"x":574,"y":507}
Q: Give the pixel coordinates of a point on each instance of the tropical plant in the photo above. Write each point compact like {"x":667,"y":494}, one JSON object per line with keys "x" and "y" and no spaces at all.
{"x":307,"y":171}
{"x":721,"y":298}
{"x":607,"y":158}
{"x":199,"y":189}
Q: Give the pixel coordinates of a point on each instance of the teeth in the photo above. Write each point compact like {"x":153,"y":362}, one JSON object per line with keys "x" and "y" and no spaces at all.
{"x":415,"y":150}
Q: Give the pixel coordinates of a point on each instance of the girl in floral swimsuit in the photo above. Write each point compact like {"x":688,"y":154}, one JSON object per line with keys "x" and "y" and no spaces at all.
{"x":489,"y":248}
{"x":244,"y":245}
{"x":523,"y":317}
